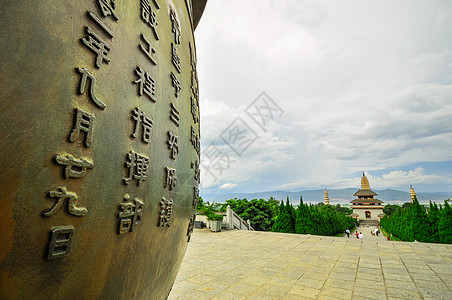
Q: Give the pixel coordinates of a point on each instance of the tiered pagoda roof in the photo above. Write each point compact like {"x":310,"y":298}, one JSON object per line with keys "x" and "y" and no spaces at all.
{"x":365,"y":194}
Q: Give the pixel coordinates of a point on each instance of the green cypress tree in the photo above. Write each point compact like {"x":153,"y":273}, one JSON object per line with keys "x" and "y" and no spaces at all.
{"x":420,"y":224}
{"x":283,"y":221}
{"x":291,"y":213}
{"x":445,"y":224}
{"x":434,"y":216}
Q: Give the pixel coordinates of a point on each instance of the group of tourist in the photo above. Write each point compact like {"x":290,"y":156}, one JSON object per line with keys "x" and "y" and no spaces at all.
{"x":375,"y":232}
{"x":360,"y":235}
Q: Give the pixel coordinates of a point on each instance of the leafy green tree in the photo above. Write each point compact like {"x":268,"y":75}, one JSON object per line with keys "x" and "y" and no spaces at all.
{"x":389,"y":209}
{"x":261,"y":213}
{"x":283,"y":221}
{"x":291,"y":212}
{"x":406,"y":204}
{"x":445,"y":224}
{"x":434,"y":217}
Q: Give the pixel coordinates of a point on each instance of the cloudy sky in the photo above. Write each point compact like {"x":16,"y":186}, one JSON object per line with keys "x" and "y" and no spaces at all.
{"x":349,"y":86}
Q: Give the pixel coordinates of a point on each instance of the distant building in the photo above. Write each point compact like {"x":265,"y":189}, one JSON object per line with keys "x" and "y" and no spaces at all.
{"x":367,"y":209}
{"x":326,"y":199}
{"x":412,"y":193}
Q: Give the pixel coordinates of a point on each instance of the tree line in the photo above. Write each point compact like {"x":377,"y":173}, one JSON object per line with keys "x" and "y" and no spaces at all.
{"x":312,"y":219}
{"x":260,"y":212}
{"x":413,"y":223}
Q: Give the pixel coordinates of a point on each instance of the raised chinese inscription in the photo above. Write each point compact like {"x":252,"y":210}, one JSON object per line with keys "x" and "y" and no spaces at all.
{"x":175,"y":59}
{"x":62,"y":194}
{"x":96,"y":44}
{"x":172,"y":144}
{"x":108,"y":8}
{"x":195,"y":197}
{"x":149,"y":16}
{"x":141,"y":120}
{"x":197,"y":170}
{"x":148,"y":49}
{"x":84,"y":121}
{"x":146,"y":84}
{"x":92,"y":94}
{"x":176,"y":84}
{"x":130,"y":214}
{"x":174,"y":115}
{"x":74,"y":168}
{"x":138,"y":166}
{"x":60,"y":242}
{"x":171,"y":178}
{"x":191,"y":225}
{"x":175,"y":27}
{"x":166,"y":212}
{"x":194,"y":140}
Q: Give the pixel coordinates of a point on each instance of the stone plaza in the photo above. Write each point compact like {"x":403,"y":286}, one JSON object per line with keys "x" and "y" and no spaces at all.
{"x":264,"y":265}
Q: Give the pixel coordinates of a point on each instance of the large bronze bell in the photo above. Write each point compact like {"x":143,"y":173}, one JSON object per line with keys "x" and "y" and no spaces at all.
{"x":99,"y":146}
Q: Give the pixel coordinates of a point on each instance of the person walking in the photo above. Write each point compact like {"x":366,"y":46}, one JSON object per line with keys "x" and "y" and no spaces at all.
{"x":348,"y":233}
{"x":356,"y":233}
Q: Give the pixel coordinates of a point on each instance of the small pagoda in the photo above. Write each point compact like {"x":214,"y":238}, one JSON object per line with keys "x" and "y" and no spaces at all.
{"x":367,"y":208}
{"x":326,"y":197}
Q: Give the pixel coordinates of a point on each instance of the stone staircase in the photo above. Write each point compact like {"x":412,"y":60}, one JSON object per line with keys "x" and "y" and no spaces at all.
{"x":368,"y":222}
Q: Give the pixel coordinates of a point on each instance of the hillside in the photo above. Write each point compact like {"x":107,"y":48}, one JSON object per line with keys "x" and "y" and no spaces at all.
{"x":336,"y":196}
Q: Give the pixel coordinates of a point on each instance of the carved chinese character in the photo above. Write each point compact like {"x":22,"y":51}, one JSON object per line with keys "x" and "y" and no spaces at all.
{"x":175,"y":59}
{"x":92,"y":94}
{"x":60,"y":242}
{"x":194,"y":110}
{"x":84,"y":121}
{"x":194,"y":73}
{"x":194,"y":139}
{"x":62,"y":194}
{"x":98,"y":46}
{"x":175,"y":27}
{"x":130,"y":214}
{"x":195,"y":197}
{"x":75,"y":168}
{"x":146,"y":84}
{"x":148,"y":50}
{"x":197,"y":170}
{"x":149,"y":16}
{"x":166,"y":212}
{"x":194,"y":83}
{"x":142,"y":120}
{"x":176,"y":84}
{"x":138,"y":166}
{"x":108,"y":8}
{"x":172,"y":144}
{"x":171,"y":178}
{"x":174,"y":115}
{"x":191,"y":225}
{"x":100,"y":23}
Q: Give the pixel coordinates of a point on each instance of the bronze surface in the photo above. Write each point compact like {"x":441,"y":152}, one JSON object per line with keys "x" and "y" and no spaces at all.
{"x":97,"y":184}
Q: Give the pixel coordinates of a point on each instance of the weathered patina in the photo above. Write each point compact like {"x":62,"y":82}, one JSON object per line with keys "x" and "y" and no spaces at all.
{"x":99,"y":146}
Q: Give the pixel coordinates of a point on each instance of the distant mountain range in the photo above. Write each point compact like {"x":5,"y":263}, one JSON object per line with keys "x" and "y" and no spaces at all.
{"x":336,"y":196}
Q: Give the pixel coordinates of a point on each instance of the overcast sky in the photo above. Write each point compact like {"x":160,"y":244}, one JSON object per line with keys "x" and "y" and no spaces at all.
{"x":350,"y":86}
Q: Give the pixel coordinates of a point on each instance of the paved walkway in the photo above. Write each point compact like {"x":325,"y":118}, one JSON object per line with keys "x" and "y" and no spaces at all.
{"x":366,"y":232}
{"x":264,"y":265}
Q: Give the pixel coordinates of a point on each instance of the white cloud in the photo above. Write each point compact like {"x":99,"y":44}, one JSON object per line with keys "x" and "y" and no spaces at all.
{"x":228,"y":186}
{"x":364,"y":86}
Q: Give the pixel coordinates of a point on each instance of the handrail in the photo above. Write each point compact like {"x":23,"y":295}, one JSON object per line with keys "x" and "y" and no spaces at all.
{"x":237,"y":222}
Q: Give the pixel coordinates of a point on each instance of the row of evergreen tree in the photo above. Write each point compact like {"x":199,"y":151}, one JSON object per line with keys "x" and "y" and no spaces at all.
{"x":311,"y":219}
{"x":414,"y":223}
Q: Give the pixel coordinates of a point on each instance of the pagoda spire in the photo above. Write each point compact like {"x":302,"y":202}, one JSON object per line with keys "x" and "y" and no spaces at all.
{"x":326,"y":198}
{"x":412,"y":193}
{"x":365,"y":183}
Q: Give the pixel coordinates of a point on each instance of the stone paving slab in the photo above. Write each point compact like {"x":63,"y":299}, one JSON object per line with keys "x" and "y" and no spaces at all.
{"x":265,"y":265}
